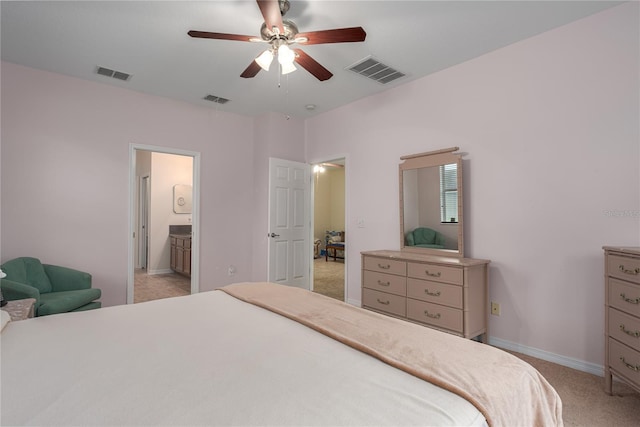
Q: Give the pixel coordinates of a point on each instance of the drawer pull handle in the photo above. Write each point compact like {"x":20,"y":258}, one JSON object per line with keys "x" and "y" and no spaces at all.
{"x":432,"y":294}
{"x":635,"y":368}
{"x":433,"y":274}
{"x":383,"y":302}
{"x":433,"y":316}
{"x":634,"y":272}
{"x":381,"y":283}
{"x":629,"y":300}
{"x":635,"y":334}
{"x":384,"y":267}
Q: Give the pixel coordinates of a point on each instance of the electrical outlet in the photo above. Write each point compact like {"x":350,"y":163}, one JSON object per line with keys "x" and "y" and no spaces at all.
{"x":495,"y":308}
{"x":232,"y":270}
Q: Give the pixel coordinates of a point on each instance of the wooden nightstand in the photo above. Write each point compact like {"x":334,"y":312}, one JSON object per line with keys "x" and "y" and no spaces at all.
{"x":20,"y":309}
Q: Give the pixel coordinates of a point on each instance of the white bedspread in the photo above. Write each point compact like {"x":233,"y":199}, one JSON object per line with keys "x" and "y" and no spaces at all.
{"x":204,"y":359}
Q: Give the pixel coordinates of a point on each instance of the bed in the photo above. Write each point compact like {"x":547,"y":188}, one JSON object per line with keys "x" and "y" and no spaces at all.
{"x":259,"y":354}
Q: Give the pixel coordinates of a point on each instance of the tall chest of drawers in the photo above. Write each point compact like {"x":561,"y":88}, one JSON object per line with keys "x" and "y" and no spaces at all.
{"x":444,"y":293}
{"x":622,"y":316}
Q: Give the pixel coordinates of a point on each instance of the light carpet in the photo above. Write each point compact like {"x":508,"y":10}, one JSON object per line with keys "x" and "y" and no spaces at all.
{"x":584,"y":401}
{"x":328,"y":278}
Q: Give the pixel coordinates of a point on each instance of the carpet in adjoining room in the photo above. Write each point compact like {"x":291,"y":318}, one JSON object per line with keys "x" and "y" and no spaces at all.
{"x":328,"y":278}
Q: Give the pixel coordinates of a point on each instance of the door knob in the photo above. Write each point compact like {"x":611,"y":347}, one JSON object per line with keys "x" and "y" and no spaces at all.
{"x":274,"y":235}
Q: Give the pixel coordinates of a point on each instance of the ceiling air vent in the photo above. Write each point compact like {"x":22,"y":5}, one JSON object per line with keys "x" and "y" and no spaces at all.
{"x":375,"y":70}
{"x":112,"y":73}
{"x":217,"y":99}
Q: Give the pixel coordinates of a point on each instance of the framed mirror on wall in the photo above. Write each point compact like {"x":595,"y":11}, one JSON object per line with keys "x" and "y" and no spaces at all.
{"x":431,"y":209}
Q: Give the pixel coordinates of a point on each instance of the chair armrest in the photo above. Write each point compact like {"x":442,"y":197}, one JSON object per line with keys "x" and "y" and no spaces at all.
{"x":408,"y":238}
{"x":13,"y":290}
{"x":66,"y":279}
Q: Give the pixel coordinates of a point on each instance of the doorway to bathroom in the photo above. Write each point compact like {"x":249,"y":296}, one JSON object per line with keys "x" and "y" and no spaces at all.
{"x":163,"y":222}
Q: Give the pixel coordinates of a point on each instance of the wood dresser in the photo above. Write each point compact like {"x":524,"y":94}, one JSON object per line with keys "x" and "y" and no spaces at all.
{"x":622,"y":316}
{"x":444,"y":293}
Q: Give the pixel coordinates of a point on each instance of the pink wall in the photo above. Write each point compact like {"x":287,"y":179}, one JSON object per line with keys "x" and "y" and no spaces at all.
{"x":550,"y":126}
{"x":65,"y":169}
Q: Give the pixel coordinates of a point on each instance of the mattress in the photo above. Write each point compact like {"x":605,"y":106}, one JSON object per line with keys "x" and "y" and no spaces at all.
{"x":205,"y":359}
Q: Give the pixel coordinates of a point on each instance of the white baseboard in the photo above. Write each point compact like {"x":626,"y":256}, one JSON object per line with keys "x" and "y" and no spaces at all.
{"x":570,"y":362}
{"x":355,"y":302}
{"x":165,"y":271}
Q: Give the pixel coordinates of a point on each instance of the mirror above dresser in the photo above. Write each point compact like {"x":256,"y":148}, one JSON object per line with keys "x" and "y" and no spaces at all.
{"x":431,"y":207}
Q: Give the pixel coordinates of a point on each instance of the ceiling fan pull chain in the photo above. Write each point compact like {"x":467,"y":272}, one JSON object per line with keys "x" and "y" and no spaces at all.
{"x":279,"y":74}
{"x":286,"y":99}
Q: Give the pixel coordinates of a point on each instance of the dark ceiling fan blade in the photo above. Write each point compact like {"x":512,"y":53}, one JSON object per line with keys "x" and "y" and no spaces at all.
{"x":220,"y":36}
{"x":312,"y":66}
{"x":271,"y":13}
{"x":251,"y":70}
{"x":340,"y":35}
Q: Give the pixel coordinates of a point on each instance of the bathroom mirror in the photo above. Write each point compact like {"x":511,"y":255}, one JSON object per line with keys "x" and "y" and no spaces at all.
{"x":431,"y":214}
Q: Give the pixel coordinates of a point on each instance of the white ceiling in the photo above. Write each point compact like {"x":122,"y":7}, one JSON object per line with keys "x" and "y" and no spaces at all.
{"x":149,"y":40}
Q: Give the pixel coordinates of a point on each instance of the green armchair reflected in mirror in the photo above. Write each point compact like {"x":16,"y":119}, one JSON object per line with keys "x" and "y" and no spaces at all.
{"x":424,"y":237}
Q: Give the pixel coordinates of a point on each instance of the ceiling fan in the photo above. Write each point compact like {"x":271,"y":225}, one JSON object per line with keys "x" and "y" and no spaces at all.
{"x":280,"y":34}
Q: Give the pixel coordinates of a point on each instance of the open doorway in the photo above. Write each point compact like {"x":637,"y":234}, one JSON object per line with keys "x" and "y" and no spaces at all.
{"x":163,"y":251}
{"x":329,"y":232}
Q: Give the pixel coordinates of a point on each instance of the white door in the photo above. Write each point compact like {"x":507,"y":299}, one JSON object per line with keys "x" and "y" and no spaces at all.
{"x":289,"y":223}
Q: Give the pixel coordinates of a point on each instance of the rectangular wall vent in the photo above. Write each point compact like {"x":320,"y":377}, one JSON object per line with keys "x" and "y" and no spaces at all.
{"x":375,"y":70}
{"x":217,"y":99}
{"x":112,"y":73}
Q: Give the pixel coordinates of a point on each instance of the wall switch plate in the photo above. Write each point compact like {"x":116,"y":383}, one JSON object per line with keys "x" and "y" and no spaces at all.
{"x":360,"y":222}
{"x":495,"y":308}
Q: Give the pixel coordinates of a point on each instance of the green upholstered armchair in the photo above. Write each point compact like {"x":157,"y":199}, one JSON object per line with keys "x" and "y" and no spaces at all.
{"x":56,"y":289}
{"x":425,"y":238}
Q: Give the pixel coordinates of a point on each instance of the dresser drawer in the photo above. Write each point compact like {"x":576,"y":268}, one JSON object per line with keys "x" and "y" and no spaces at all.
{"x":624,"y":268}
{"x":439,"y":293}
{"x":385,"y":282}
{"x":390,"y":266}
{"x":624,"y":328}
{"x":435,"y":272}
{"x":625,"y":361}
{"x":624,"y":296}
{"x":435,"y":314}
{"x":392,"y":304}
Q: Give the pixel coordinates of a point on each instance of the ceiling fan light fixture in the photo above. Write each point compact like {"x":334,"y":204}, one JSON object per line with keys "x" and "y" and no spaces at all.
{"x":285,"y":55}
{"x":279,"y":33}
{"x":265,"y":59}
{"x":288,"y":68}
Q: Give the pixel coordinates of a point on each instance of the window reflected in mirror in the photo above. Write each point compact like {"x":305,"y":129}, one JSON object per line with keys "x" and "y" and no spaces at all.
{"x":449,"y":193}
